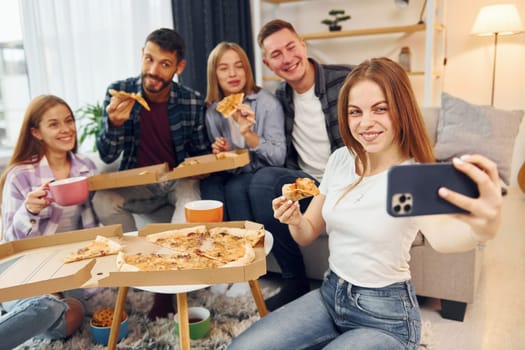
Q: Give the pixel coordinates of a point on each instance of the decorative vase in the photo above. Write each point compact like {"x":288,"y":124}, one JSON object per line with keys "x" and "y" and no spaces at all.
{"x":334,"y":27}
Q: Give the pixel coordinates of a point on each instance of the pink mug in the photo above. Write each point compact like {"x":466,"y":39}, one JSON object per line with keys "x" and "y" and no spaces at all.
{"x":70,"y":191}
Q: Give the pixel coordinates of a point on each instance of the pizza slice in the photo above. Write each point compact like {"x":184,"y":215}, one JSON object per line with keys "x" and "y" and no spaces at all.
{"x":100,"y":246}
{"x":136,"y":96}
{"x":300,"y":189}
{"x":180,"y":240}
{"x":251,"y":235}
{"x":228,"y":105}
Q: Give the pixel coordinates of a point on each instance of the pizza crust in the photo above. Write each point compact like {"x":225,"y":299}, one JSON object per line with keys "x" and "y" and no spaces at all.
{"x":228,"y":105}
{"x":136,"y":96}
{"x":300,"y":189}
{"x":182,"y":232}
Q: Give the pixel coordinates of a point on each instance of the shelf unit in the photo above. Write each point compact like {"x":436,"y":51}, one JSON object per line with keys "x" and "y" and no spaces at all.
{"x":430,"y":27}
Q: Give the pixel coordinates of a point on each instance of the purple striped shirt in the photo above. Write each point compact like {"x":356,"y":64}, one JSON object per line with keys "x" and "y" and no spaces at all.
{"x":17,"y":222}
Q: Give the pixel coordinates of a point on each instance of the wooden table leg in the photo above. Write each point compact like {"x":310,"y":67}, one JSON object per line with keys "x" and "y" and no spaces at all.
{"x":184,"y":324}
{"x":258,"y":297}
{"x":115,"y":325}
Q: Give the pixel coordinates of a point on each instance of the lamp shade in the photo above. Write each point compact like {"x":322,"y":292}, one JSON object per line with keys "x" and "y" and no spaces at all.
{"x":500,"y":19}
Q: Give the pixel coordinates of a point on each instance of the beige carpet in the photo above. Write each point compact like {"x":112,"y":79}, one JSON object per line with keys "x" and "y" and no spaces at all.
{"x":232,"y":309}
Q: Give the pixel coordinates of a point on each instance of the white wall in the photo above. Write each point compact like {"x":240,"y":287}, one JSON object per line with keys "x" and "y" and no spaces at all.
{"x":468,"y":73}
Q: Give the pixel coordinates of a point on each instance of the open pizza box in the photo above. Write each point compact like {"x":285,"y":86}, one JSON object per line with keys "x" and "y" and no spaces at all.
{"x":35,"y":266}
{"x":200,"y":165}
{"x":132,"y":177}
{"x":209,"y":164}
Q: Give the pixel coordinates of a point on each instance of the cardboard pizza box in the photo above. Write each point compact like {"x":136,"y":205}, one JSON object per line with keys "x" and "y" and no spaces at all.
{"x":132,"y":177}
{"x":138,"y":243}
{"x":35,"y":266}
{"x":209,"y":163}
{"x":205,"y":164}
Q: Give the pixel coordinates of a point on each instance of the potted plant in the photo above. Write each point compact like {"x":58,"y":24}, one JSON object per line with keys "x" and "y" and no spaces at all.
{"x":337,"y":16}
{"x":90,"y":117}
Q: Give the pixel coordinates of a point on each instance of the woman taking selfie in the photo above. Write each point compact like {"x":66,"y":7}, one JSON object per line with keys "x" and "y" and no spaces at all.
{"x":367,"y":299}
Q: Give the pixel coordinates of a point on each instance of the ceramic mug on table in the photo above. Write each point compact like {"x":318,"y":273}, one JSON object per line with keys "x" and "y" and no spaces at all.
{"x":204,"y":211}
{"x":199,"y":320}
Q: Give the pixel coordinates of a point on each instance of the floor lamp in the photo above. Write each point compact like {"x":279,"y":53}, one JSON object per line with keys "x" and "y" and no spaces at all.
{"x":497,"y":20}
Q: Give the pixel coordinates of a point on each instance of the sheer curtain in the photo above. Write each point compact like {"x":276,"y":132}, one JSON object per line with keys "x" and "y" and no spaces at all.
{"x":74,"y":49}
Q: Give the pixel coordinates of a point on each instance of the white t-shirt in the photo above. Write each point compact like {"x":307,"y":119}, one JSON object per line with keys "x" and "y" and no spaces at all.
{"x":368,"y":247}
{"x":309,"y":135}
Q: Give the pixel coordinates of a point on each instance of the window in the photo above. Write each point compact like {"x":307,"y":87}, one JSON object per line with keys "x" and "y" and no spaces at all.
{"x":14,"y":86}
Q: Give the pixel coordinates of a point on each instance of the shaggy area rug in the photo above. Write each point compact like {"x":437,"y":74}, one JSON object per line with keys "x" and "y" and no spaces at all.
{"x":230,"y":316}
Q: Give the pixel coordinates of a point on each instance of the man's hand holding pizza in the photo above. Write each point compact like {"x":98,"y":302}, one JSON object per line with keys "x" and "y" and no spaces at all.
{"x":121,"y":104}
{"x":119,"y":110}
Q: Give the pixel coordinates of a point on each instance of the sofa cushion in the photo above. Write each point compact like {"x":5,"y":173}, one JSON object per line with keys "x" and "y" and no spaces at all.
{"x":465,"y":128}
{"x":431,"y":117}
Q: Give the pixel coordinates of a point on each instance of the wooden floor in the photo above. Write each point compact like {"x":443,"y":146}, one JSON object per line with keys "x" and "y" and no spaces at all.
{"x":496,"y":319}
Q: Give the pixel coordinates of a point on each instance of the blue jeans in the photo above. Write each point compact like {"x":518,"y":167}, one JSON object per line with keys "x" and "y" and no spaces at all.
{"x":42,"y":316}
{"x":232,"y":190}
{"x":340,"y":315}
{"x":266,"y":185}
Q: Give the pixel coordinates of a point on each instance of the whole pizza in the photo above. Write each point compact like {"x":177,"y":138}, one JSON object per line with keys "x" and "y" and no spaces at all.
{"x":195,"y":247}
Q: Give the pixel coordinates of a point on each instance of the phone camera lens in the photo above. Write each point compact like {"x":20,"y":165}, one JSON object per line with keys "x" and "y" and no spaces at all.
{"x":397,"y":208}
{"x":402,"y":198}
{"x":407,"y":208}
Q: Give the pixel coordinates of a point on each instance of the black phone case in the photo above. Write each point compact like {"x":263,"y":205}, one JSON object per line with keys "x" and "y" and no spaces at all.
{"x":413,"y":189}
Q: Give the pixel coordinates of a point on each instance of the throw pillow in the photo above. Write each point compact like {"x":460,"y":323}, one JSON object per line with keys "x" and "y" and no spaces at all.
{"x":465,"y":128}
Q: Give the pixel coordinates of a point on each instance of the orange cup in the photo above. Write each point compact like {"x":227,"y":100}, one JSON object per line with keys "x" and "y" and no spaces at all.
{"x":204,"y":211}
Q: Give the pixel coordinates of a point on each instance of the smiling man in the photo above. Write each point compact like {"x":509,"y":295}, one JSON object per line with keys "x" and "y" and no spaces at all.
{"x":170,"y":131}
{"x":309,"y":97}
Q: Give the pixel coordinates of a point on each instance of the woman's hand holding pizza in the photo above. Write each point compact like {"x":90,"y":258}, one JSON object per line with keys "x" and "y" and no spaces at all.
{"x":287,"y":211}
{"x":37,"y":200}
{"x":245,"y":117}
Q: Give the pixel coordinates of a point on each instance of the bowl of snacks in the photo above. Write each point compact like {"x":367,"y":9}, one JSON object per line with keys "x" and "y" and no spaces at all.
{"x":101,"y":326}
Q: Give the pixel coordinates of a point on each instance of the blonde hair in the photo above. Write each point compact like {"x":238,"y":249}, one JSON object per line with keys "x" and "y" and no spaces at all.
{"x":406,"y":116}
{"x":214,"y":91}
{"x":28,"y":149}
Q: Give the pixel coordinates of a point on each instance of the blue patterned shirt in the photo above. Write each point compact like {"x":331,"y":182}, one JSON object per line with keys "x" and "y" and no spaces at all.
{"x":186,"y":110}
{"x":17,"y":222}
{"x":269,"y":125}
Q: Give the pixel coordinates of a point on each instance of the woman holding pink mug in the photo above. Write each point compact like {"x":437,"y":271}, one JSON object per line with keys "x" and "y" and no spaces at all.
{"x":46,"y":150}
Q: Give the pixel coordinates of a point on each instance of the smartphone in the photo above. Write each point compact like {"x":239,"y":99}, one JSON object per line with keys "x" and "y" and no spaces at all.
{"x":413,"y":189}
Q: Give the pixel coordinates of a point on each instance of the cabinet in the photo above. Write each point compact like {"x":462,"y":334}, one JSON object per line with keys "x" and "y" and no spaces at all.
{"x":432,"y":67}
